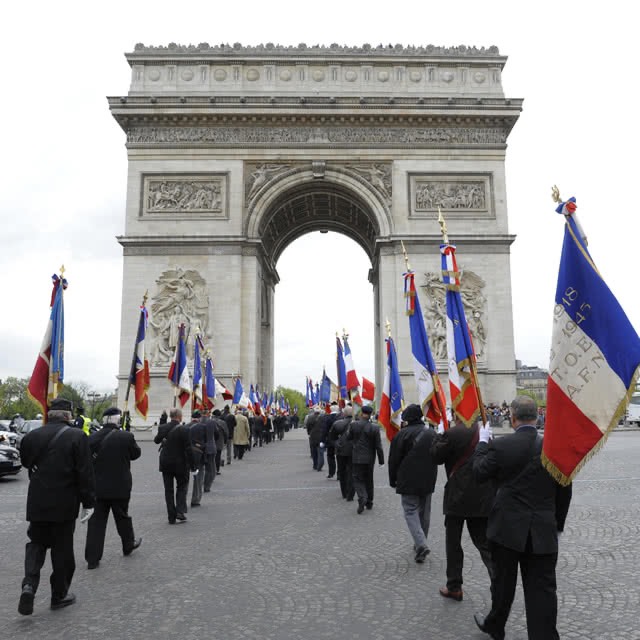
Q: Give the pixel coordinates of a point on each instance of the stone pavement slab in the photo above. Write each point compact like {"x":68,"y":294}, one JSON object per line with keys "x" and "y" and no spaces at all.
{"x":275,"y":553}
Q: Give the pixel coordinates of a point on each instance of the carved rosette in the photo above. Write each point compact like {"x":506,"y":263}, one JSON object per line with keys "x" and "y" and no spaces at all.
{"x":181,"y":296}
{"x":435,"y":311}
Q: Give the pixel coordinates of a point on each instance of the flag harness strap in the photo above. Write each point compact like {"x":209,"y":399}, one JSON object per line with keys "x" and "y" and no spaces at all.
{"x":47,"y":448}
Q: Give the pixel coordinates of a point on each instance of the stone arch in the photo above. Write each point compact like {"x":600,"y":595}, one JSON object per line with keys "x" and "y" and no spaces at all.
{"x":298,"y":202}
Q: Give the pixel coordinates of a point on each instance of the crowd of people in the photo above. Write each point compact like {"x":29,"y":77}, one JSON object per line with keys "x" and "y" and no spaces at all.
{"x":513,"y":509}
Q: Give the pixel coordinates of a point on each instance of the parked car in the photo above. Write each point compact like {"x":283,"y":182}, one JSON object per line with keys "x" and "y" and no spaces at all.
{"x":9,"y":460}
{"x":8,"y":437}
{"x":26,"y":427}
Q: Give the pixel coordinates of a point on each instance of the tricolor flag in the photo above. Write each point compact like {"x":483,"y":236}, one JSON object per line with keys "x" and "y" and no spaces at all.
{"x":368,"y":389}
{"x":430,"y":392}
{"x":308,"y":393}
{"x":595,"y":354}
{"x":353,"y":384}
{"x":325,"y":389}
{"x":139,"y":377}
{"x":221,"y":390}
{"x":48,"y":372}
{"x":198,"y":395}
{"x":209,"y":386}
{"x":392,"y":399}
{"x":239,"y":396}
{"x":465,"y":397}
{"x":342,"y":373}
{"x":178,"y":372}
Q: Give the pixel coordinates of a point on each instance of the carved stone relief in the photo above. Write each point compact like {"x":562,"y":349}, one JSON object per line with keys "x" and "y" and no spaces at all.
{"x":450,"y":195}
{"x":165,"y":196}
{"x":376,"y":174}
{"x":435,"y":311}
{"x":181,"y":297}
{"x":259,"y":175}
{"x":273,"y":135}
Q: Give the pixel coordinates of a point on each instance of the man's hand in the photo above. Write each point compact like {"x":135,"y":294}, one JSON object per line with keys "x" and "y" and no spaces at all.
{"x":440,"y":428}
{"x":85,"y":514}
{"x":321,"y":445}
{"x":194,"y":473}
{"x":485,"y":432}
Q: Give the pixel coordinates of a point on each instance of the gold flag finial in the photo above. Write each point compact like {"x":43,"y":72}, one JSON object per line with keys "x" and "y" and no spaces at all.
{"x":555,"y":194}
{"x":387,"y":324}
{"x":443,"y":227}
{"x":61,"y":272}
{"x":406,"y":257}
{"x":145,"y":298}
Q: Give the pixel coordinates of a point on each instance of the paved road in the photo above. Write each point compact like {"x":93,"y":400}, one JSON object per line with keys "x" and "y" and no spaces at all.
{"x":275,"y":553}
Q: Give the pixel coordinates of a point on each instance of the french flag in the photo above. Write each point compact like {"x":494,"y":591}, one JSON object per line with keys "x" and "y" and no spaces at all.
{"x":209,"y":386}
{"x":178,"y":372}
{"x":392,"y":397}
{"x":430,"y":392}
{"x":197,"y":377}
{"x":239,"y":396}
{"x":140,"y":377}
{"x":353,"y":384}
{"x":465,"y":398}
{"x":595,"y":354}
{"x":342,"y":371}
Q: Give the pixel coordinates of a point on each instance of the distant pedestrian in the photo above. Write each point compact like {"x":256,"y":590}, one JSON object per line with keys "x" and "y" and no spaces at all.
{"x":241,"y":433}
{"x":344,"y":448}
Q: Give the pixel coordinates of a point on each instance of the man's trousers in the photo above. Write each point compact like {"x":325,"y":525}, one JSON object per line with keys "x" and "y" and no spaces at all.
{"x":97,"y":527}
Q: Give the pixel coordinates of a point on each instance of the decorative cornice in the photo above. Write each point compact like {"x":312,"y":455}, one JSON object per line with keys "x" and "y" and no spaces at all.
{"x":270,"y":49}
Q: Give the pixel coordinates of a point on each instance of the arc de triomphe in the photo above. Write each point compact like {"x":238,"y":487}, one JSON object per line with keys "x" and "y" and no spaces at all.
{"x":234,"y":152}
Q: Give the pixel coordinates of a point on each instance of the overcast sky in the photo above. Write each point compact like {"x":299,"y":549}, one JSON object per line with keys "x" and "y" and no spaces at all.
{"x":64,"y":162}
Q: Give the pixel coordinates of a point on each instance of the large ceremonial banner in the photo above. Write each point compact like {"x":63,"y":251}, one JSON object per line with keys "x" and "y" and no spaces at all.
{"x":139,"y":376}
{"x":595,"y":353}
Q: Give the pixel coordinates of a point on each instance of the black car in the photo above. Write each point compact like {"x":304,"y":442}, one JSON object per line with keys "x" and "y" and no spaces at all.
{"x":9,"y":460}
{"x":26,"y":427}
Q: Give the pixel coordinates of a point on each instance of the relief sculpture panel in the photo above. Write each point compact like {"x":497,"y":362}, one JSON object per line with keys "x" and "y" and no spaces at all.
{"x":435,"y":311}
{"x":467,"y":195}
{"x":181,"y":296}
{"x":184,"y":196}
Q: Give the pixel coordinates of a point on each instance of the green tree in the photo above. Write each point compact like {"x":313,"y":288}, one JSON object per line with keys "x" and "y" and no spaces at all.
{"x":294,"y":398}
{"x":14,"y":399}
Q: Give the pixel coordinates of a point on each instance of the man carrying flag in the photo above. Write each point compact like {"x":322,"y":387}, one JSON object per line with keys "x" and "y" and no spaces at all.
{"x":178,"y":372}
{"x":392,"y":400}
{"x":48,"y":373}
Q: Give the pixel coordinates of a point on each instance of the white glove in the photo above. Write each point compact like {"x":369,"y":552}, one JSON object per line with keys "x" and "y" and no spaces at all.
{"x":195,"y":473}
{"x":85,"y":514}
{"x":440,"y":428}
{"x":321,"y":445}
{"x":485,"y":432}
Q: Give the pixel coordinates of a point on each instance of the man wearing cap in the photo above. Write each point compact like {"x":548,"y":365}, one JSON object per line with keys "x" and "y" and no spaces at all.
{"x":365,"y":436}
{"x":176,"y":458}
{"x":412,"y":472}
{"x":61,"y":478}
{"x":198,"y":434}
{"x":112,"y":451}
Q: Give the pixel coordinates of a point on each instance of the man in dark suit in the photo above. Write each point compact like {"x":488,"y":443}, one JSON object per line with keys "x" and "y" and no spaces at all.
{"x":176,"y":459}
{"x":61,"y":478}
{"x":112,"y":451}
{"x":198,"y":433}
{"x":412,"y":472}
{"x":529,"y":510}
{"x":210,"y":450}
{"x":365,"y":436}
{"x":465,"y":501}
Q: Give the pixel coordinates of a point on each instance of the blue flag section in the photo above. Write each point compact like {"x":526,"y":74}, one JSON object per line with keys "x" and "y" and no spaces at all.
{"x":238,"y":392}
{"x":342,"y":371}
{"x":325,"y":389}
{"x":595,"y":354}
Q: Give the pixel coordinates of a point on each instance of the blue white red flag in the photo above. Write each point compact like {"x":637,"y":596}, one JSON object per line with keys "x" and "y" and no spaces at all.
{"x":595,"y":354}
{"x":209,"y":384}
{"x":48,"y":373}
{"x":342,"y":372}
{"x":430,"y":392}
{"x":197,"y":401}
{"x":392,"y":398}
{"x":465,"y":396}
{"x":325,"y":389}
{"x":239,"y":396}
{"x":139,"y":376}
{"x":308,"y":399}
{"x":353,"y":384}
{"x":178,"y":372}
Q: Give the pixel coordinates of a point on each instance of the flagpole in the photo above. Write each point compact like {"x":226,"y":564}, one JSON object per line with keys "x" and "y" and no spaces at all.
{"x":472,"y":364}
{"x":435,"y":378}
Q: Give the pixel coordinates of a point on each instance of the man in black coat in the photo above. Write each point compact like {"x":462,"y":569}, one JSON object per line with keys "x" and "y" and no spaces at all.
{"x":230,"y":420}
{"x":198,"y":434}
{"x":344,"y":449}
{"x":112,"y":451}
{"x":61,"y":478}
{"x":211,"y":449}
{"x":413,"y":473}
{"x":529,"y":510}
{"x":176,"y":459}
{"x":365,"y":436}
{"x":466,"y":501}
{"x":222,"y":437}
{"x":330,"y":443}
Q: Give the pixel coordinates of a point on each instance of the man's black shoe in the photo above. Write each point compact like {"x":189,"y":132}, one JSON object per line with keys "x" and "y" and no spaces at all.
{"x":181,"y":517}
{"x":369,"y":506}
{"x":59,"y":603}
{"x":207,"y":490}
{"x":360,"y":507}
{"x":195,"y":504}
{"x":480,"y":622}
{"x":329,"y":476}
{"x":25,"y":606}
{"x":136,"y":543}
{"x":93,"y":565}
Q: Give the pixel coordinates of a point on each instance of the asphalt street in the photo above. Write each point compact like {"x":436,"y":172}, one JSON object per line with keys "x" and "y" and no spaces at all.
{"x":275,"y":553}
